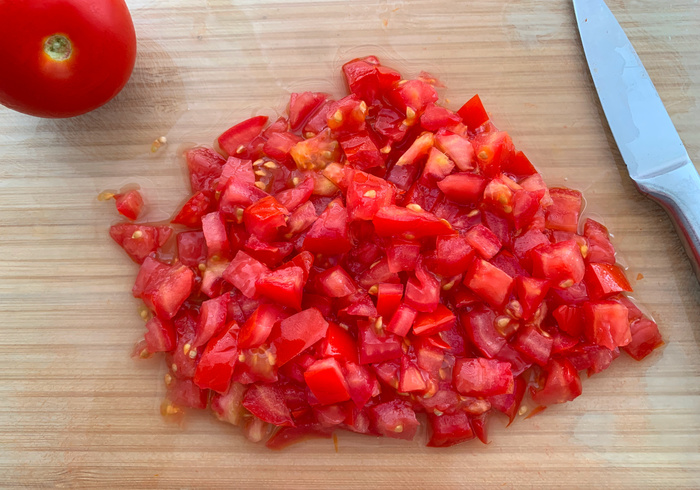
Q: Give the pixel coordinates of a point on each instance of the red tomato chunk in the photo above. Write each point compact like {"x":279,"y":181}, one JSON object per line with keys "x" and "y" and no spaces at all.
{"x":360,"y":261}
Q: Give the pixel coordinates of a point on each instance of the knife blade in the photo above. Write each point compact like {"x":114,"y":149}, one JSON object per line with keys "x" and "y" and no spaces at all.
{"x":650,"y":146}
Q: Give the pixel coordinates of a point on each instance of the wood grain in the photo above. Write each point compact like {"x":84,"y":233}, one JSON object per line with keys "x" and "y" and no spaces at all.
{"x":76,"y":411}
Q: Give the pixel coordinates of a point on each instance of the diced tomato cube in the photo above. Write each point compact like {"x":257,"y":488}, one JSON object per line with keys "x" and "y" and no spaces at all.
{"x":418,"y":149}
{"x":192,"y":211}
{"x":605,"y":280}
{"x":437,"y":321}
{"x":519,"y":165}
{"x":564,"y":212}
{"x":184,"y":393}
{"x":437,"y":167}
{"x":215,"y":367}
{"x":267,"y":403}
{"x":398,"y":221}
{"x":237,"y":169}
{"x":534,"y":344}
{"x":483,"y":377}
{"x":394,"y":419}
{"x":302,"y":105}
{"x":329,"y":233}
{"x":257,"y":328}
{"x":484,"y":241}
{"x":216,"y":236}
{"x":163,"y":288}
{"x":285,"y":286}
{"x":376,"y":345}
{"x":347,"y":115}
{"x":645,"y":338}
{"x":228,"y":406}
{"x":212,"y":319}
{"x":493,"y":150}
{"x":235,"y":140}
{"x":388,"y":298}
{"x":458,"y":148}
{"x":238,"y":195}
{"x":129,"y":204}
{"x":561,"y":263}
{"x":367,"y":194}
{"x":463,"y":188}
{"x":361,"y":152}
{"x":570,"y":319}
{"x":402,"y":320}
{"x":361,"y":383}
{"x":316,"y":152}
{"x":422,"y":290}
{"x":449,"y":429}
{"x":294,"y":197}
{"x":326,"y":381}
{"x":479,"y":325}
{"x":297,"y":333}
{"x":411,"y":378}
{"x":160,"y":336}
{"x":436,"y":117}
{"x":600,"y":249}
{"x":340,"y":344}
{"x":562,"y":384}
{"x":531,"y":292}
{"x":488,"y":281}
{"x":402,"y":255}
{"x":205,"y":166}
{"x":279,"y":145}
{"x":607,"y":324}
{"x":473,"y":113}
{"x":266,"y":218}
{"x":191,"y":248}
{"x":243,"y":272}
{"x":336,"y":283}
{"x":452,"y":256}
{"x":140,"y":241}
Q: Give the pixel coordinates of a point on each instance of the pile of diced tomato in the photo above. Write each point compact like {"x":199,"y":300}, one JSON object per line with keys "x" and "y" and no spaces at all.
{"x":359,"y":262}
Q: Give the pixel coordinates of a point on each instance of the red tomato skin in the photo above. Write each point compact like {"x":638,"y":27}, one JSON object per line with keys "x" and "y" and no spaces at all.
{"x":297,"y":333}
{"x":340,"y":344}
{"x":473,"y":113}
{"x":103,"y":54}
{"x":257,"y":328}
{"x":192,"y":211}
{"x":235,"y":140}
{"x":431,"y":323}
{"x":388,"y":298}
{"x":212,"y":319}
{"x":492,"y":284}
{"x":605,"y":280}
{"x":301,"y":105}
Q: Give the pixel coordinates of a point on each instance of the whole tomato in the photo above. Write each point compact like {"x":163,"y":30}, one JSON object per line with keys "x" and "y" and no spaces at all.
{"x":62,"y":58}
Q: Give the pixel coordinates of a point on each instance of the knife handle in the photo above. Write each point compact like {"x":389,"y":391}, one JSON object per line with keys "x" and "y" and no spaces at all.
{"x":678,"y":192}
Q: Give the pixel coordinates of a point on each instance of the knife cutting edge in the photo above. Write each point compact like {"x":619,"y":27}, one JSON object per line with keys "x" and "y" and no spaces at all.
{"x":649,"y":144}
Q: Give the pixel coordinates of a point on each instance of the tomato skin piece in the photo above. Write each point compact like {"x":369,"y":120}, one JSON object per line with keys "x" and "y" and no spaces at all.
{"x":140,"y":241}
{"x":167,"y":290}
{"x":519,"y":165}
{"x":484,"y":241}
{"x":482,"y":377}
{"x":563,"y":214}
{"x":88,"y":78}
{"x":215,"y":367}
{"x":605,"y":280}
{"x":129,"y":204}
{"x":473,"y":113}
{"x":561,"y":263}
{"x":607,"y":323}
{"x":297,"y":333}
{"x":302,"y":105}
{"x":367,"y":79}
{"x":394,"y":419}
{"x":450,"y":429}
{"x":562,"y":384}
{"x":531,"y":292}
{"x":600,"y":249}
{"x":266,"y":218}
{"x":645,"y":338}
{"x":191,"y":213}
{"x":267,"y":403}
{"x":492,"y":284}
{"x":329,"y":233}
{"x":336,"y":283}
{"x":241,"y":135}
{"x":399,"y":221}
{"x":437,"y":321}
{"x":243,"y":272}
{"x":326,"y":381}
{"x":436,"y":117}
{"x":212,"y":319}
{"x":402,"y":320}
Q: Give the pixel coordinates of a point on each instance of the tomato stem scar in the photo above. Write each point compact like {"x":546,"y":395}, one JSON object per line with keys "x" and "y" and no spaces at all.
{"x":58,"y":47}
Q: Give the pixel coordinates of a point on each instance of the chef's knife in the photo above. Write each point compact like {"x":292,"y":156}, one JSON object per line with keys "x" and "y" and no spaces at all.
{"x":650,"y":146}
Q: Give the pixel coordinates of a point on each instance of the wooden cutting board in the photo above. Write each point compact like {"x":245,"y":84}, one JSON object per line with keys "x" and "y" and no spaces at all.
{"x":76,"y":411}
